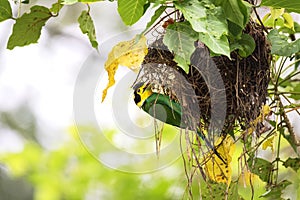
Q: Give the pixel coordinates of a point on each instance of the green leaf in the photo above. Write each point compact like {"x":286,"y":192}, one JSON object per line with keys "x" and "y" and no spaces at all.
{"x":180,"y":38}
{"x":86,"y":25}
{"x":293,"y":163}
{"x":27,"y":28}
{"x":216,"y":45}
{"x":56,"y":7}
{"x":216,"y":23}
{"x":195,"y":13}
{"x":237,"y":11}
{"x":89,"y":1}
{"x":260,"y":167}
{"x":69,"y":2}
{"x":290,"y":5}
{"x":214,"y":191}
{"x":131,"y":10}
{"x":156,"y":15}
{"x":289,"y":138}
{"x":245,"y":8}
{"x":245,"y":45}
{"x":275,"y":191}
{"x":210,"y":22}
{"x":295,"y":91}
{"x":287,"y":85}
{"x":233,"y":193}
{"x":235,"y":31}
{"x":280,"y":44}
{"x":278,"y":18}
{"x":204,"y":17}
{"x":5,"y":10}
{"x":297,"y":27}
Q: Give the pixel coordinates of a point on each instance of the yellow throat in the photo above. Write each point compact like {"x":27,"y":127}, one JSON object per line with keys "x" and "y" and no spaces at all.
{"x":141,"y":94}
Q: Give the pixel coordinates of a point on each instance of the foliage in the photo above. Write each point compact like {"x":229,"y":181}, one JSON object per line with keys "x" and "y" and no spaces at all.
{"x":129,"y":53}
{"x":185,"y":35}
{"x":131,"y":10}
{"x":70,"y":172}
{"x":27,"y":28}
{"x":291,"y":6}
{"x":219,"y":25}
{"x":216,"y":170}
{"x":87,"y":27}
{"x":5,"y":11}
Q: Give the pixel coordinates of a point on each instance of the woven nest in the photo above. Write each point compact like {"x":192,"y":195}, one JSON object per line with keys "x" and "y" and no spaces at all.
{"x":217,"y":91}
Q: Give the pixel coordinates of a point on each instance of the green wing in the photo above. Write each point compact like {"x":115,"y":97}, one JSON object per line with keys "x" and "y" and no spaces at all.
{"x":164,"y":109}
{"x":169,"y":111}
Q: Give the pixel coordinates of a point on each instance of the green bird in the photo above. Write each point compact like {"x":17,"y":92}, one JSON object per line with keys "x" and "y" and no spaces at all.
{"x":163,"y":108}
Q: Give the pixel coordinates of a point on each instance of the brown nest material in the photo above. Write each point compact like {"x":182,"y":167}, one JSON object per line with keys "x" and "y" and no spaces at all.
{"x":246,"y":80}
{"x":236,"y":95}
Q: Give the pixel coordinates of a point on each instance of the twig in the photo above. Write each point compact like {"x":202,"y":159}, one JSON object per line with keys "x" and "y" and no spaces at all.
{"x":288,"y":124}
{"x":156,"y":24}
{"x":261,"y":23}
{"x":288,"y":100}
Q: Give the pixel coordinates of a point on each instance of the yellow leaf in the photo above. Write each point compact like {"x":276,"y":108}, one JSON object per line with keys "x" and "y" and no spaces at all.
{"x":111,"y":78}
{"x":215,"y":168}
{"x":266,"y":17}
{"x":276,"y":12}
{"x":268,"y":143}
{"x":265,"y":111}
{"x":247,"y":178}
{"x":129,"y":54}
{"x":288,"y":21}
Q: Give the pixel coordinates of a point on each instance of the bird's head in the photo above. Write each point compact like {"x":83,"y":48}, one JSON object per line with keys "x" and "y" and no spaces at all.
{"x":141,"y":92}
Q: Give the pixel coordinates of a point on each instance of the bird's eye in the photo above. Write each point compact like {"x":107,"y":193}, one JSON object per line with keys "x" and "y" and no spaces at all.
{"x":137,"y":98}
{"x":138,"y":90}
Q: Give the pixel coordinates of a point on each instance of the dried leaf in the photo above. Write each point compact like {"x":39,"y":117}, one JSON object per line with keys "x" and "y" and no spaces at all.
{"x":215,"y":168}
{"x":128,"y":53}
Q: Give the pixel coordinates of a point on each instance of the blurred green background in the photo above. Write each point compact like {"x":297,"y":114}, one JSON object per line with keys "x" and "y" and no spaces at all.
{"x":41,"y":156}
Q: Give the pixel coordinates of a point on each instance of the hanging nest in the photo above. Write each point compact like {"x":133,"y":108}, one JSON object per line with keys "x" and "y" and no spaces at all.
{"x":236,"y":95}
{"x":246,"y":80}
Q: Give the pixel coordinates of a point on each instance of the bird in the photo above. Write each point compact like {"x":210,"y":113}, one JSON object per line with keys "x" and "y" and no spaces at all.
{"x":164,"y":108}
